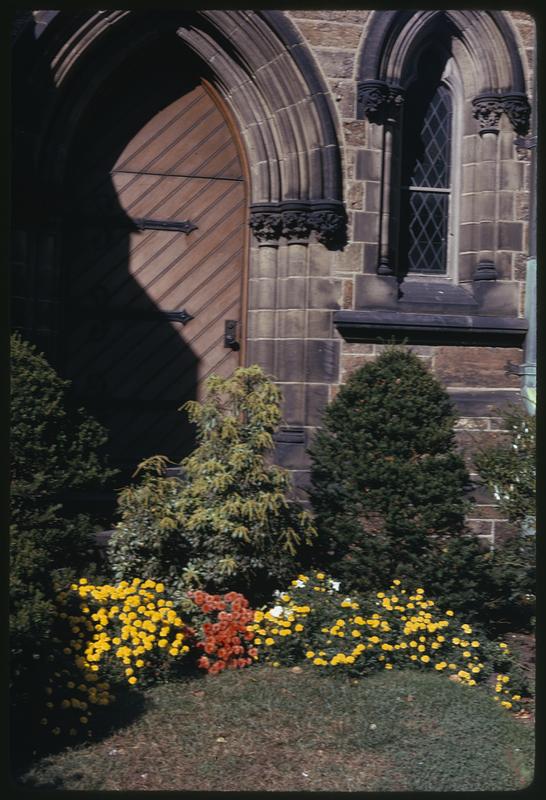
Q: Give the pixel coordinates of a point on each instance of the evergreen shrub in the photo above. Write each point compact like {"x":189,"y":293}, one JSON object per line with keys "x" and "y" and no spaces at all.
{"x":388,"y":485}
{"x":509,"y":471}
{"x":228,"y":523}
{"x":53,"y":448}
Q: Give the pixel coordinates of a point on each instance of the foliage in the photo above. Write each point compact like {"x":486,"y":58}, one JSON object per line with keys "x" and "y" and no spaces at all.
{"x":511,"y":601}
{"x":105,"y":636}
{"x":391,"y":629}
{"x":228,"y":524}
{"x":54,"y":448}
{"x":509,"y":470}
{"x":387,"y":482}
{"x":224,"y":642}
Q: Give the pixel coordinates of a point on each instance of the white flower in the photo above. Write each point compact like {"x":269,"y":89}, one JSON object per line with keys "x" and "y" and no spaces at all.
{"x":335,"y":585}
{"x":299,"y":583}
{"x":276,"y":611}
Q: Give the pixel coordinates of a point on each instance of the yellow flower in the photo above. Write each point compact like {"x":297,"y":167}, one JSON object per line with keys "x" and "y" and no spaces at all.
{"x":449,"y":613}
{"x":269,"y":640}
{"x":425,"y":659}
{"x":441,"y":665}
{"x":320,"y":576}
{"x":516,"y":697}
{"x":475,"y":643}
{"x":388,"y":666}
{"x":503,"y":645}
{"x":298,"y":627}
{"x":132,"y":680}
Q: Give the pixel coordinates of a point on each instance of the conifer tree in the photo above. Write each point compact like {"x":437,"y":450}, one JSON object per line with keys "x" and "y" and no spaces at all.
{"x":387,"y":482}
{"x":228,"y":522}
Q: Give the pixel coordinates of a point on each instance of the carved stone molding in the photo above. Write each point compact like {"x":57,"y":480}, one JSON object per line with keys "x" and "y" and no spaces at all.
{"x":379,"y":101}
{"x":489,"y":107}
{"x":295,"y":221}
{"x":485,"y":271}
{"x":266,"y":225}
{"x":518,"y":111}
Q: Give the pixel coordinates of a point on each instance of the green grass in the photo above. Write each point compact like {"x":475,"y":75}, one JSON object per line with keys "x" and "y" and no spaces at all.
{"x":266,"y":729}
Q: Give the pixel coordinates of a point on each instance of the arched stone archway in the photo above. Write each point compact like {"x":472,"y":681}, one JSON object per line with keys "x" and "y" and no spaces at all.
{"x":276,"y":97}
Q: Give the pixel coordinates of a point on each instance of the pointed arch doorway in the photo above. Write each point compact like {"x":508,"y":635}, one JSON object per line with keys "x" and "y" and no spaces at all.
{"x":154,"y":251}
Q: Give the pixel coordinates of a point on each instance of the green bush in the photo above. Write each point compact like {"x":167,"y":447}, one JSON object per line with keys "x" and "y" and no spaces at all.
{"x":509,"y":471}
{"x":53,"y":448}
{"x":227,"y":524}
{"x":388,"y":484}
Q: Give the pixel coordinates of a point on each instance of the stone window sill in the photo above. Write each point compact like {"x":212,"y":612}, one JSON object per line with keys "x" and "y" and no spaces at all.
{"x":381,"y":326}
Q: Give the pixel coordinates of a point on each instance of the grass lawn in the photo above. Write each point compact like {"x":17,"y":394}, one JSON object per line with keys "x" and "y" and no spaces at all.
{"x":266,"y":729}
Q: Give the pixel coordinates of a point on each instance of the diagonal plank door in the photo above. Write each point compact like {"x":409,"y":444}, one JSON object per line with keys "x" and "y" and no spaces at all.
{"x":131,"y":263}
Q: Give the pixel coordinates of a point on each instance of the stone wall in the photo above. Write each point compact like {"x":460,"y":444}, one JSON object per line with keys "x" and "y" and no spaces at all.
{"x":475,"y":376}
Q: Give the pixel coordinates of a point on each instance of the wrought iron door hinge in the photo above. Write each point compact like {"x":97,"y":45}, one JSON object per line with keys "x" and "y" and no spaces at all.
{"x":178,"y":316}
{"x":145,"y":224}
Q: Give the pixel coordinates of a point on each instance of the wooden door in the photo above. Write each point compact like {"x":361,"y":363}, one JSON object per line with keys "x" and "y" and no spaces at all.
{"x":155,"y":255}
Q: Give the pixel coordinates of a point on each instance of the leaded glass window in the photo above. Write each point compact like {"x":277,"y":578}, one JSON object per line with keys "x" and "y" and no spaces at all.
{"x":426,"y":182}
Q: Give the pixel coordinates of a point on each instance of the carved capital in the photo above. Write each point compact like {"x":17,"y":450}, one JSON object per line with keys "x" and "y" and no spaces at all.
{"x":487,"y":109}
{"x":379,"y":101}
{"x":329,"y":226}
{"x":296,"y":220}
{"x":296,"y":224}
{"x":518,"y":111}
{"x":266,"y":225}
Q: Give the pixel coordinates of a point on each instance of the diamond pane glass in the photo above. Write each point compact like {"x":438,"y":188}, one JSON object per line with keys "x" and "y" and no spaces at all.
{"x":427,"y":231}
{"x":432,"y":165}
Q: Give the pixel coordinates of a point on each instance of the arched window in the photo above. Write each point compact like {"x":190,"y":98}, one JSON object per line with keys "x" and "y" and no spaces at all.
{"x":426,"y":183}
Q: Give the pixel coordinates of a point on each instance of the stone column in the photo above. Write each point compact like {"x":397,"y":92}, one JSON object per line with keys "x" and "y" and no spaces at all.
{"x":383,"y":103}
{"x":487,"y":109}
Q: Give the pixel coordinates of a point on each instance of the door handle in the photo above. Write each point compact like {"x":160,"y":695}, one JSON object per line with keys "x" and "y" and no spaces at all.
{"x":230,"y":334}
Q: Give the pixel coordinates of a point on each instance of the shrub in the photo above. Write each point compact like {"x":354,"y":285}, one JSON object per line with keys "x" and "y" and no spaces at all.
{"x":509,"y":471}
{"x":387,"y":483}
{"x":392,"y":629}
{"x":228,"y":524}
{"x":54,"y":447}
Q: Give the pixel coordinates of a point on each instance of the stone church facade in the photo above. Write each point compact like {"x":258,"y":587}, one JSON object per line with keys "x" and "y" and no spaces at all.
{"x":344,"y":178}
